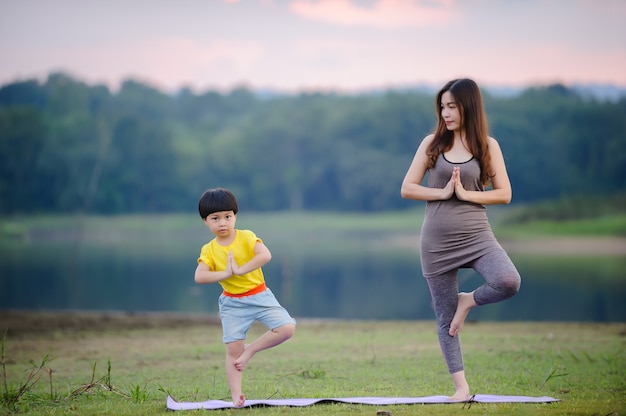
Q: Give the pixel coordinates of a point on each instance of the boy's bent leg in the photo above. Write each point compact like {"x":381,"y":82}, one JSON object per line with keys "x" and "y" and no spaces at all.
{"x":234,"y":376}
{"x":274,"y":316}
{"x":269,"y":339}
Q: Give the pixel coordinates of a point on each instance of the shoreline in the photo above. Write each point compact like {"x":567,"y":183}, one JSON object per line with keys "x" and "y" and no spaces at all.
{"x":575,"y":246}
{"x":548,"y":245}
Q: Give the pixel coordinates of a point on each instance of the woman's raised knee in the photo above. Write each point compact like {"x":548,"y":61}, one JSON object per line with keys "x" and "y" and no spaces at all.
{"x":511,"y":285}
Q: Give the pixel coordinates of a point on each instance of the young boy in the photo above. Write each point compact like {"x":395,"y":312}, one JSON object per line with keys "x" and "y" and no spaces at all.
{"x":234,"y":259}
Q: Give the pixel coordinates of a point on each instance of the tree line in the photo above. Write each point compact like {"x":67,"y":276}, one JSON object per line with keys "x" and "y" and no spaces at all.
{"x":67,"y":147}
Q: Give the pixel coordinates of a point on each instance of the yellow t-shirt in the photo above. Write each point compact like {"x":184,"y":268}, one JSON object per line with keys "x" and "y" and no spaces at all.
{"x":215,"y":256}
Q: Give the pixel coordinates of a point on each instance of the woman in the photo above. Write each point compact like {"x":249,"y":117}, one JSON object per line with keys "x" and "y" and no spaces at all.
{"x":466,"y":171}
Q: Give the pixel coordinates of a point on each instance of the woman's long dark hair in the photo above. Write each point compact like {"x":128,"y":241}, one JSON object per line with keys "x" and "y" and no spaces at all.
{"x":470,"y":103}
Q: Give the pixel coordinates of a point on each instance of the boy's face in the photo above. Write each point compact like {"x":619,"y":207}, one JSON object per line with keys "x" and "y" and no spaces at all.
{"x":222,"y":223}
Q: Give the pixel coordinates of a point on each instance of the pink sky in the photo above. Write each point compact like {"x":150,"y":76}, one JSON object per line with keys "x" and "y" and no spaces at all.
{"x":315,"y":44}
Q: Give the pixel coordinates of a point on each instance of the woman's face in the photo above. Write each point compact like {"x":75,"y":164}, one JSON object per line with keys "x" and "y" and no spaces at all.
{"x":450,"y":112}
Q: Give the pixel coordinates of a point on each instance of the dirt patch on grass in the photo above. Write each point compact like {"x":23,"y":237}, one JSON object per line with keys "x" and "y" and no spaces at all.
{"x":24,"y":323}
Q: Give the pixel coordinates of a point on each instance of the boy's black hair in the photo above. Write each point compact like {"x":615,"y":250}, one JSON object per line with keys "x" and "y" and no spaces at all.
{"x":217,"y":200}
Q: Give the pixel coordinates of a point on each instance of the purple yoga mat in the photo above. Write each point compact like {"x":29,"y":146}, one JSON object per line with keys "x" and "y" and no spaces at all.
{"x":379,"y":401}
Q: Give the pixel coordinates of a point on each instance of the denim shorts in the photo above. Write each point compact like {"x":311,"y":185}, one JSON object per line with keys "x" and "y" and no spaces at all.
{"x":238,"y":314}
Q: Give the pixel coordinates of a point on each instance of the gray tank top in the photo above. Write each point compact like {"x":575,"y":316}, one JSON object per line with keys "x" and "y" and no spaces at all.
{"x":454,"y":232}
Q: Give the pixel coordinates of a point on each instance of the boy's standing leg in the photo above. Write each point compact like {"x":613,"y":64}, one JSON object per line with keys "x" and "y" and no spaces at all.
{"x":234,"y":376}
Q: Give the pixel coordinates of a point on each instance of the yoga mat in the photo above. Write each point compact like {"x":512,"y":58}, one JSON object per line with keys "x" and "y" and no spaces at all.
{"x":378,"y":401}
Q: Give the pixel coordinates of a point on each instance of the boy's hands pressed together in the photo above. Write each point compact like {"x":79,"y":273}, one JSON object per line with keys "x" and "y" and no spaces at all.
{"x":232,"y":267}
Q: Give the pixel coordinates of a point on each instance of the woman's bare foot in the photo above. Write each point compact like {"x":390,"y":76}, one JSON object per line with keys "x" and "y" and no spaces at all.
{"x":466,"y":302}
{"x":462,"y":388}
{"x":239,"y":400}
{"x":460,"y":395}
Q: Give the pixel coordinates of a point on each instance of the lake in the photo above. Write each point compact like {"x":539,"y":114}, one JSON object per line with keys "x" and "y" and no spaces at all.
{"x":315,"y":272}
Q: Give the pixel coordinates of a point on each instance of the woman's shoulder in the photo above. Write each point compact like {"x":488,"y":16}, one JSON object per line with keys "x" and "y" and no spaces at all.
{"x":492,"y":143}
{"x":428,"y":139}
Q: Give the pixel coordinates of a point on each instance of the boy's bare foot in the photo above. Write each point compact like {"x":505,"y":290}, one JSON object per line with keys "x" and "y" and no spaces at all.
{"x":240,"y":363}
{"x":239,"y":401}
{"x":466,"y":302}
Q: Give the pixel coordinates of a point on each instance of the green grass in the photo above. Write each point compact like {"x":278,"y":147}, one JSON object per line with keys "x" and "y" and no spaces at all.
{"x":581,"y":364}
{"x":22,"y":228}
{"x":614,"y":225}
{"x":586,"y":215}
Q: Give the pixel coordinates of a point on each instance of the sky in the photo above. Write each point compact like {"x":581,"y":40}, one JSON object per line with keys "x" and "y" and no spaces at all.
{"x":306,"y":45}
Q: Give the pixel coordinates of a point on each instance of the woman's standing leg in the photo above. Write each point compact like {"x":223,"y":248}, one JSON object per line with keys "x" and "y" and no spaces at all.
{"x":444,"y":290}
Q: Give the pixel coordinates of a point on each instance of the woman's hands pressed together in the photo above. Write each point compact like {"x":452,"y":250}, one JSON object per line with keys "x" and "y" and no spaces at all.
{"x":454,"y":186}
{"x":459,"y":190}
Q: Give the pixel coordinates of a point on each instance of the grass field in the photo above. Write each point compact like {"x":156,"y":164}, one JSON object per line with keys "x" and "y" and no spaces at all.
{"x":117,"y":364}
{"x":153,"y":356}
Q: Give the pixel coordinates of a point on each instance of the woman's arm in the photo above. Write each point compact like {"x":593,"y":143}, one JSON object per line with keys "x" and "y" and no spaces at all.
{"x":501,"y":192}
{"x":412,"y":187}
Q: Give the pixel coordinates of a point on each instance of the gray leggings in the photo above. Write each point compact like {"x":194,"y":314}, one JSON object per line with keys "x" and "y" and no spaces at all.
{"x":502,"y":280}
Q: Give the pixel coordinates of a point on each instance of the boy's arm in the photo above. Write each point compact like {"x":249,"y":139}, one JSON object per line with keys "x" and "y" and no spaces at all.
{"x":262,"y":256}
{"x":205,"y":275}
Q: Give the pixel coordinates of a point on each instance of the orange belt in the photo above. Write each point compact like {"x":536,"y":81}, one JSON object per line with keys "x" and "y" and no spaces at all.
{"x":260,"y":288}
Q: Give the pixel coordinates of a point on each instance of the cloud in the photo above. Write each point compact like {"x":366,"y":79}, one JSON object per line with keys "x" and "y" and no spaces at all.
{"x":192,"y":61}
{"x":261,"y":2}
{"x":167,"y":62}
{"x":385,"y":14}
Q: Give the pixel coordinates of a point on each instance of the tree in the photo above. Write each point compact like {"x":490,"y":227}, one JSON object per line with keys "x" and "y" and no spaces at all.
{"x":66,"y":146}
{"x":22,"y":135}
